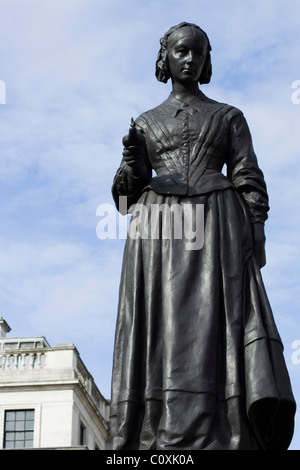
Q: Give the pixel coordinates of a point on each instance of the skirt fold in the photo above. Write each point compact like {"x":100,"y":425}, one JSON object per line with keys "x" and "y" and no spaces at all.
{"x":196,"y":347}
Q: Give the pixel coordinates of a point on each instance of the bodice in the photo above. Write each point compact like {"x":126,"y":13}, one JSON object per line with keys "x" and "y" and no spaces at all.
{"x":187,"y":146}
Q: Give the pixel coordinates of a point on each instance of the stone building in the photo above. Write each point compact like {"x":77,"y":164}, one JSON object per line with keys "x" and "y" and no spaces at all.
{"x":48,"y":399}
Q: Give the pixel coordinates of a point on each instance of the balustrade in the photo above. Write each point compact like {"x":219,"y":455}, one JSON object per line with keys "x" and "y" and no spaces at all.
{"x":21,"y":361}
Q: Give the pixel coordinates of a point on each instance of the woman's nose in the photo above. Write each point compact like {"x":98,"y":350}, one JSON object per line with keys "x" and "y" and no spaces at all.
{"x":190,"y":57}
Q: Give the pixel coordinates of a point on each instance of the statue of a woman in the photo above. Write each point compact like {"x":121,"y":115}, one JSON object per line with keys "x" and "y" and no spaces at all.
{"x":198,"y":361}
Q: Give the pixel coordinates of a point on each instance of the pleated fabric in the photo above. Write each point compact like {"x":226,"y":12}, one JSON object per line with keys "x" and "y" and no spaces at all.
{"x":198,"y":361}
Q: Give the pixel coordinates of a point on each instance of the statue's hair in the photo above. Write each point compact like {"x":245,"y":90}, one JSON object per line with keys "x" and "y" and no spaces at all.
{"x":162,"y":71}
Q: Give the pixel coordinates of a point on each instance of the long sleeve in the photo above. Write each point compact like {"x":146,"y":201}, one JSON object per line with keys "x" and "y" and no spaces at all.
{"x":244,"y":172}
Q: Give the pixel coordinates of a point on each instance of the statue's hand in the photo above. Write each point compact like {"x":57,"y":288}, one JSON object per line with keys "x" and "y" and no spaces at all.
{"x":259,"y":240}
{"x":134,"y":138}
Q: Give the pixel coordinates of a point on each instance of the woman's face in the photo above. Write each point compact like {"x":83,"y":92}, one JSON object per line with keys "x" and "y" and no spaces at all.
{"x":187,"y":50}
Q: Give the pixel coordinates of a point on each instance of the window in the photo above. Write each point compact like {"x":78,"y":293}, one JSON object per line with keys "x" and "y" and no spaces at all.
{"x":18,"y":429}
{"x":82,"y":435}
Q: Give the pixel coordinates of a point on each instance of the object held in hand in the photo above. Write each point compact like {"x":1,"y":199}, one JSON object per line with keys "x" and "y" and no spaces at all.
{"x":134,"y":138}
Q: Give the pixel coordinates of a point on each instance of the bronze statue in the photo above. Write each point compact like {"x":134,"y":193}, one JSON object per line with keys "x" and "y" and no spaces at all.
{"x":198,"y":361}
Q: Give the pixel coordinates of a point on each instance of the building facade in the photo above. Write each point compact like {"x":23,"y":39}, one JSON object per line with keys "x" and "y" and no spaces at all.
{"x":48,"y":399}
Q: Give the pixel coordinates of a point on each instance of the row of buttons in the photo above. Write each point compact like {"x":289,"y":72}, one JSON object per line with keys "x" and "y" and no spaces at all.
{"x":185,"y":144}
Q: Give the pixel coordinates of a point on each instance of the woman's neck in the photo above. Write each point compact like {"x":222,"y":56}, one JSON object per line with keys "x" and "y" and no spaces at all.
{"x":186,"y":93}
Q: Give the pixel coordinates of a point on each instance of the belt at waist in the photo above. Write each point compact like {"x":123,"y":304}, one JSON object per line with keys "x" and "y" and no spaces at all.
{"x":211,"y":180}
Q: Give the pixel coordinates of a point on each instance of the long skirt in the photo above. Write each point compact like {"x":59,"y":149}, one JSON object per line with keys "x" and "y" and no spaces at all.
{"x":198,"y":361}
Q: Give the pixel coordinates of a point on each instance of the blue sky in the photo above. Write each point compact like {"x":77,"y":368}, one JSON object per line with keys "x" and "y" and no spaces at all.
{"x":75,"y":72}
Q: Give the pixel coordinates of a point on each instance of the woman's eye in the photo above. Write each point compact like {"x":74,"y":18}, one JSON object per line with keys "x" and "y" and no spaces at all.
{"x":181,"y":51}
{"x":185,"y":51}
